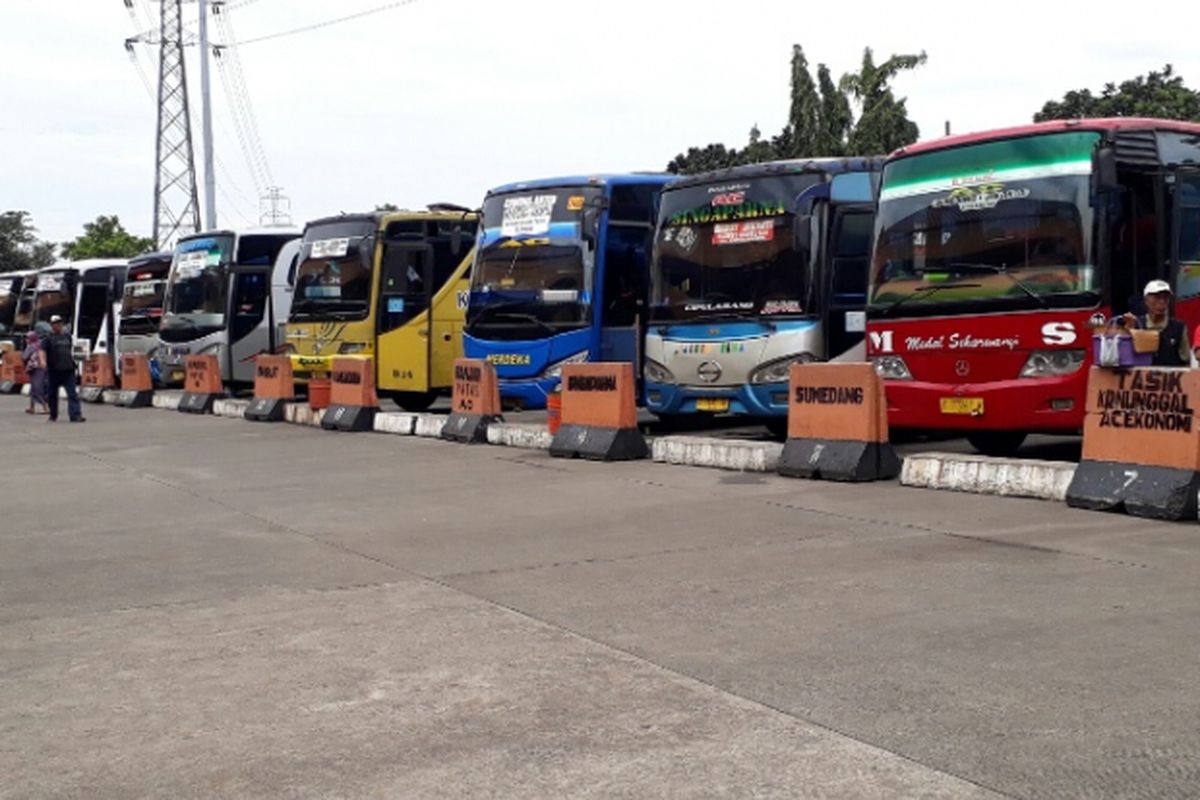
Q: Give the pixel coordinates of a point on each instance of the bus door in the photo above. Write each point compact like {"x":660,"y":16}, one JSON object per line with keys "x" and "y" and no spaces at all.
{"x":1185,"y":244}
{"x":404,"y":326}
{"x":849,"y":251}
{"x":625,"y":282}
{"x":249,"y":332}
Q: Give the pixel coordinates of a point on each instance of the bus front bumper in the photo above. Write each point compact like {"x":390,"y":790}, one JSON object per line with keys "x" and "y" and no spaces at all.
{"x":760,"y":400}
{"x":1036,"y":405}
{"x":527,"y":394}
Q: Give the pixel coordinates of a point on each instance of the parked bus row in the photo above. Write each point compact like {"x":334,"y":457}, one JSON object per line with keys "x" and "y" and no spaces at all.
{"x":970,"y":270}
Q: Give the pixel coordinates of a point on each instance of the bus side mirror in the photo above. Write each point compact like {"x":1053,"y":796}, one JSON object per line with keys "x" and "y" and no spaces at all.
{"x":1105,"y":170}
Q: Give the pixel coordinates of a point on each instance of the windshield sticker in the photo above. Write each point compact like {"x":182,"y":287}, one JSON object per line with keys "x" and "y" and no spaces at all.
{"x":575,"y":202}
{"x":782,"y":307}
{"x":395,"y":305}
{"x":739,"y":306}
{"x":979,"y":198}
{"x":729,"y":199}
{"x":527,"y":215}
{"x":192,"y":264}
{"x":728,"y":213}
{"x":50,"y":283}
{"x":330,"y":248}
{"x":684,"y":237}
{"x":729,"y":187}
{"x":744,"y":232}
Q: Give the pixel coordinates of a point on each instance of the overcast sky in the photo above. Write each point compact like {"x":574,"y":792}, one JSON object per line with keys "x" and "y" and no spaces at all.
{"x":440,"y":99}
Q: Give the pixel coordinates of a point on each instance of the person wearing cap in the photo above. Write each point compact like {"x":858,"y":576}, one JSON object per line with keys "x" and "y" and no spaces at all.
{"x":60,"y":364}
{"x":1173,"y":347}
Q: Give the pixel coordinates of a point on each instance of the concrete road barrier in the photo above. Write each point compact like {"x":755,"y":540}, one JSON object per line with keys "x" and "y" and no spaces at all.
{"x":303,"y":414}
{"x":398,"y":424}
{"x":429,"y":425}
{"x":229,"y":407}
{"x":1007,"y":477}
{"x":702,"y":451}
{"x":167,"y":400}
{"x":474,"y":402}
{"x":527,"y":435}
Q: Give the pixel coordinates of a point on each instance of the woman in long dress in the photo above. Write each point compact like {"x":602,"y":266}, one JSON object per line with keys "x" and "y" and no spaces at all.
{"x":35,"y":367}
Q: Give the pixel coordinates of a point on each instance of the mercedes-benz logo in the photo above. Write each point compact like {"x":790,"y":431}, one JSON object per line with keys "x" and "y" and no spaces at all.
{"x":709,"y":371}
{"x":962,"y":368}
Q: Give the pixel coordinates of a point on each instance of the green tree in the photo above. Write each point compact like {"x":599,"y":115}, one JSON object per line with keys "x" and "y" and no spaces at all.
{"x":106,"y":238}
{"x":19,"y":246}
{"x":1156,"y":94}
{"x":883,"y":124}
{"x":821,"y":118}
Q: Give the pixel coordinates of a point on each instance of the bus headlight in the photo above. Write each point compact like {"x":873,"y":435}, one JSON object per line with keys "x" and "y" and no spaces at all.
{"x":657,"y":373}
{"x":555,"y":369}
{"x":348,"y":348}
{"x":892,"y":368}
{"x":1049,"y":363}
{"x":777,"y":371}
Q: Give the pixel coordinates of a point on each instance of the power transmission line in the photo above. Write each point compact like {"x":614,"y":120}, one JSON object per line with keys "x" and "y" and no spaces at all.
{"x":327,"y":23}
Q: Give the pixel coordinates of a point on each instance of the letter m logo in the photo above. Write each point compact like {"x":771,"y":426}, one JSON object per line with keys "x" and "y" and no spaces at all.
{"x":882,"y":341}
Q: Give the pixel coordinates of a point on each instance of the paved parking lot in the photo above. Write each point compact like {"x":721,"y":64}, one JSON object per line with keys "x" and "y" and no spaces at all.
{"x":201,"y":607}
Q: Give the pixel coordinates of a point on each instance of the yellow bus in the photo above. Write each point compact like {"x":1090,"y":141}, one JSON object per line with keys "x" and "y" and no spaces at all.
{"x":389,"y":284}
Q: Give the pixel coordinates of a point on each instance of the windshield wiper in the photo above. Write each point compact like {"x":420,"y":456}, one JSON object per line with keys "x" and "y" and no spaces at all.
{"x":924,"y":291}
{"x":977,"y":267}
{"x":524,"y":318}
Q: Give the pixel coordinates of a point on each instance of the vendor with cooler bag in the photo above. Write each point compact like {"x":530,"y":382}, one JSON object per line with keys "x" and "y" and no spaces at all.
{"x":1151,"y":339}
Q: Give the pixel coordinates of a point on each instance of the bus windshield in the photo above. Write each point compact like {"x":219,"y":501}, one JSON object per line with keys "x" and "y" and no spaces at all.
{"x":533,"y":269}
{"x":197,"y":284}
{"x":143,"y":297}
{"x":998,"y":225}
{"x":23,"y":318}
{"x":10,"y":292}
{"x":726,"y":249}
{"x":55,"y":295}
{"x":333,"y":277}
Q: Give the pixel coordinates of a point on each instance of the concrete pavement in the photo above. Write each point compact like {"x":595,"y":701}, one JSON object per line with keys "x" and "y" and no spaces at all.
{"x":200,"y":607}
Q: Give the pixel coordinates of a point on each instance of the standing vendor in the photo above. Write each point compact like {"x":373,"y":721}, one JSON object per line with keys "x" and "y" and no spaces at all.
{"x":1173,"y":348}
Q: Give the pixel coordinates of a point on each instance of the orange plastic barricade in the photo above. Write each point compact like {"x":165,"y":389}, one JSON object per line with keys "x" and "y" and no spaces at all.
{"x":1141,"y":443}
{"x":274,"y":387}
{"x":12,"y":372}
{"x":137,"y":390}
{"x":201,"y":384}
{"x":837,"y":424}
{"x":98,"y":375}
{"x":352,"y":399}
{"x":599,"y":416}
{"x":474,"y":403}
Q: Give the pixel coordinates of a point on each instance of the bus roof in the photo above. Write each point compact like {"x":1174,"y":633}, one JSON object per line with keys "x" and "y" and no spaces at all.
{"x":1105,"y":124}
{"x":85,"y":265}
{"x":261,"y":231}
{"x":150,"y":258}
{"x":599,"y":179}
{"x":381,"y":218}
{"x":831,"y":166}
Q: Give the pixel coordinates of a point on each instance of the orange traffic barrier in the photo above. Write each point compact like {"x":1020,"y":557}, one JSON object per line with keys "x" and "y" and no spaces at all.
{"x":274,"y":386}
{"x":137,"y":389}
{"x":837,"y":424}
{"x":12,"y":372}
{"x":352,"y":399}
{"x":201,"y":384}
{"x":599,"y":416}
{"x":98,"y":375}
{"x":474,"y":401}
{"x":1141,"y":443}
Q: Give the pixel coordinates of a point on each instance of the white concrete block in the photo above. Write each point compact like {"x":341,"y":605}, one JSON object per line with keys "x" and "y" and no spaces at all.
{"x":395,"y":423}
{"x":528,"y":435}
{"x":303,"y":414}
{"x":231,"y":408}
{"x":1008,"y":477}
{"x":167,"y":399}
{"x":429,"y":425}
{"x":700,"y":451}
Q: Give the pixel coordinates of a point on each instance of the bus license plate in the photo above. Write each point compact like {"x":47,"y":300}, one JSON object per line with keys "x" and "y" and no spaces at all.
{"x":712,"y":404}
{"x":963,"y":405}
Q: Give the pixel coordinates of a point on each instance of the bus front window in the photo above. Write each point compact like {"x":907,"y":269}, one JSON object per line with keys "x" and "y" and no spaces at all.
{"x":533,"y":272}
{"x":333,"y":277}
{"x":1000,"y":225}
{"x":9,"y":295}
{"x":726,"y":249}
{"x":55,"y":296}
{"x":197,"y":286}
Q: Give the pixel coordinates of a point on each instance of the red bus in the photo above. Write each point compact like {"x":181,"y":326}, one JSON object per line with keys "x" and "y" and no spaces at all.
{"x":995,"y":253}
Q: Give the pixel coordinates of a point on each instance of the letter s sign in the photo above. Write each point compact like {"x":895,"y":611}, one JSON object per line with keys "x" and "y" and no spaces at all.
{"x":881,"y":341}
{"x":1059,"y":333}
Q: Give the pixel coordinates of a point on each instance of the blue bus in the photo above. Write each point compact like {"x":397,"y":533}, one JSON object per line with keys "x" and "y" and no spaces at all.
{"x":756,"y":268}
{"x":561,"y":276}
